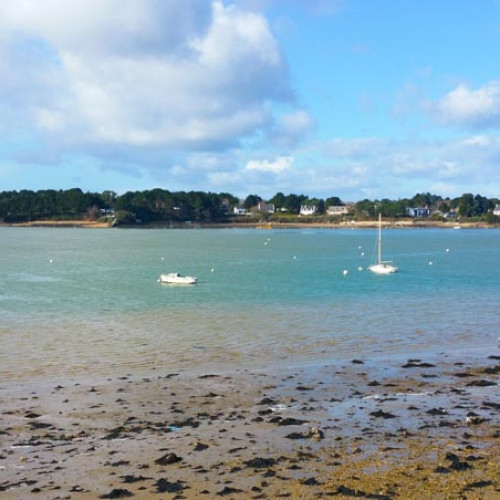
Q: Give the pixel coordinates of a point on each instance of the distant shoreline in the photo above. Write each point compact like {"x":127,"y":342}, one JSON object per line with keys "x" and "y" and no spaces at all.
{"x":403,"y":223}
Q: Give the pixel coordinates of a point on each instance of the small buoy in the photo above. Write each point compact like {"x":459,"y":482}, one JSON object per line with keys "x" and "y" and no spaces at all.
{"x":430,"y":263}
{"x":362,"y":254}
{"x":294,"y":257}
{"x":345,"y":272}
{"x":212,"y":270}
{"x":163,"y":258}
{"x":447,"y":249}
{"x":360,"y":268}
{"x":50,"y":260}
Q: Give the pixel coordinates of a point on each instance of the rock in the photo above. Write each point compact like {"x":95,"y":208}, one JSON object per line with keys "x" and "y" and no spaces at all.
{"x":267,"y":401}
{"x":316,"y":433}
{"x":201,"y":446}
{"x":456,"y":463}
{"x":481,"y":383}
{"x":168,"y":459}
{"x":437,"y":411}
{"x":228,"y":491}
{"x":290,"y":421}
{"x":165,"y":486}
{"x":118,"y":493}
{"x":382,"y":414}
{"x":474,"y":420}
{"x":260,"y":463}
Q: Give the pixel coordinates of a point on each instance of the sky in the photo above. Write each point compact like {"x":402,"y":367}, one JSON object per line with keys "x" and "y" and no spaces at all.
{"x":350,"y":98}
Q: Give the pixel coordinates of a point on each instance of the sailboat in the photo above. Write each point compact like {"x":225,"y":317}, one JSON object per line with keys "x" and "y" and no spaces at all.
{"x":382,"y":266}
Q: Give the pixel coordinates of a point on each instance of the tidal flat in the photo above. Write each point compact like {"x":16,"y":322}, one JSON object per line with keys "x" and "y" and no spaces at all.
{"x":418,"y":428}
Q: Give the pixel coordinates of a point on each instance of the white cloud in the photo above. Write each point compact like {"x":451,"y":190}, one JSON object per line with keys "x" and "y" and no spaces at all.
{"x":278,"y":165}
{"x":185,"y":73}
{"x":465,"y":107}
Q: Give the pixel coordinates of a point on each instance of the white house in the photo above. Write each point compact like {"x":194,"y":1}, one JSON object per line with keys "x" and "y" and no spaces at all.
{"x":496,"y":210}
{"x":265,"y":207}
{"x":418,"y":211}
{"x":337,"y":210}
{"x":239,"y":211}
{"x":307,"y":209}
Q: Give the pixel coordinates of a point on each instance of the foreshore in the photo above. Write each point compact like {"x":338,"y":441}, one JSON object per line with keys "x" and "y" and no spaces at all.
{"x":359,"y":224}
{"x":384,"y":429}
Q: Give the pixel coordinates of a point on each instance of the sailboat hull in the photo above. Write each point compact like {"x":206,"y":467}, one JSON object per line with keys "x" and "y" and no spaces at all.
{"x":383,"y":268}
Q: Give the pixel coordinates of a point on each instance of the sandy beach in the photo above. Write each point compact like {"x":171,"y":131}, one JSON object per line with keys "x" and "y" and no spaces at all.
{"x":394,"y":429}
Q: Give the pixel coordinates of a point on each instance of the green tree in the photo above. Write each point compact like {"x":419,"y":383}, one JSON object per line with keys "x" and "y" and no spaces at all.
{"x":365,"y":208}
{"x":251,"y":201}
{"x":278,"y":200}
{"x":466,"y":205}
{"x":333,"y":201}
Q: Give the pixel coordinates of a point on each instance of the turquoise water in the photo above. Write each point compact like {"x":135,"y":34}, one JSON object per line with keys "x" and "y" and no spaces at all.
{"x":76,"y":301}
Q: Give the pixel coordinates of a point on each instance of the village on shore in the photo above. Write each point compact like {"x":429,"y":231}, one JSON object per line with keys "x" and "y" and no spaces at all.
{"x":164,"y":209}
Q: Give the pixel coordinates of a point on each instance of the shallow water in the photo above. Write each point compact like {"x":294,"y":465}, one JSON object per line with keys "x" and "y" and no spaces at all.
{"x":82,"y":301}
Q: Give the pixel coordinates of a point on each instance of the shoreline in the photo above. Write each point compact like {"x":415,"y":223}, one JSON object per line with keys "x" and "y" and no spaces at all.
{"x":420,"y":428}
{"x":367,"y":224}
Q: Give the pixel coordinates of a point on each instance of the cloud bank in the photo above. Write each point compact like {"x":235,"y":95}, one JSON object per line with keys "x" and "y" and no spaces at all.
{"x":185,"y":74}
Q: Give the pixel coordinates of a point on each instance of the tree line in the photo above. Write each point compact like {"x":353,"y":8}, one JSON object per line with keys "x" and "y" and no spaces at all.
{"x":158,"y":205}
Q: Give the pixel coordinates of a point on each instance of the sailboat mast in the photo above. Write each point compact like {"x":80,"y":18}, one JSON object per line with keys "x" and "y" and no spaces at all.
{"x":379,"y":237}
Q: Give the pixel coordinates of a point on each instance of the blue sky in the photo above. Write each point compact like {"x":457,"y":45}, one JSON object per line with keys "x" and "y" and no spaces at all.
{"x":350,"y":98}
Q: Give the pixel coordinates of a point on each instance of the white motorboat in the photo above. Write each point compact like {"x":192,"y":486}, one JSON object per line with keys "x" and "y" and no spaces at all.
{"x":382,"y":266}
{"x":177,"y":279}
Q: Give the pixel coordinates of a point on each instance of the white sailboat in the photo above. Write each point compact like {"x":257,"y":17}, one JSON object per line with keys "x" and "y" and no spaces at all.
{"x":382,"y":266}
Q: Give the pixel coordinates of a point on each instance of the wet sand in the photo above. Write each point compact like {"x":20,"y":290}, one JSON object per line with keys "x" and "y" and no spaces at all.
{"x":417,"y":428}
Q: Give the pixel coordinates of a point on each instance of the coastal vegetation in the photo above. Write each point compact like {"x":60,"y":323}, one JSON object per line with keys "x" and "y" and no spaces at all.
{"x":160,"y":205}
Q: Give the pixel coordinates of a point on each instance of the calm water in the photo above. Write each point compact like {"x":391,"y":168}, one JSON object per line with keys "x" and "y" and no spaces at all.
{"x":80,"y":301}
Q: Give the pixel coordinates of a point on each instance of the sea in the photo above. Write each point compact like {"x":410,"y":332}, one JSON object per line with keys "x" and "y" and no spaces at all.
{"x":78,"y":302}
